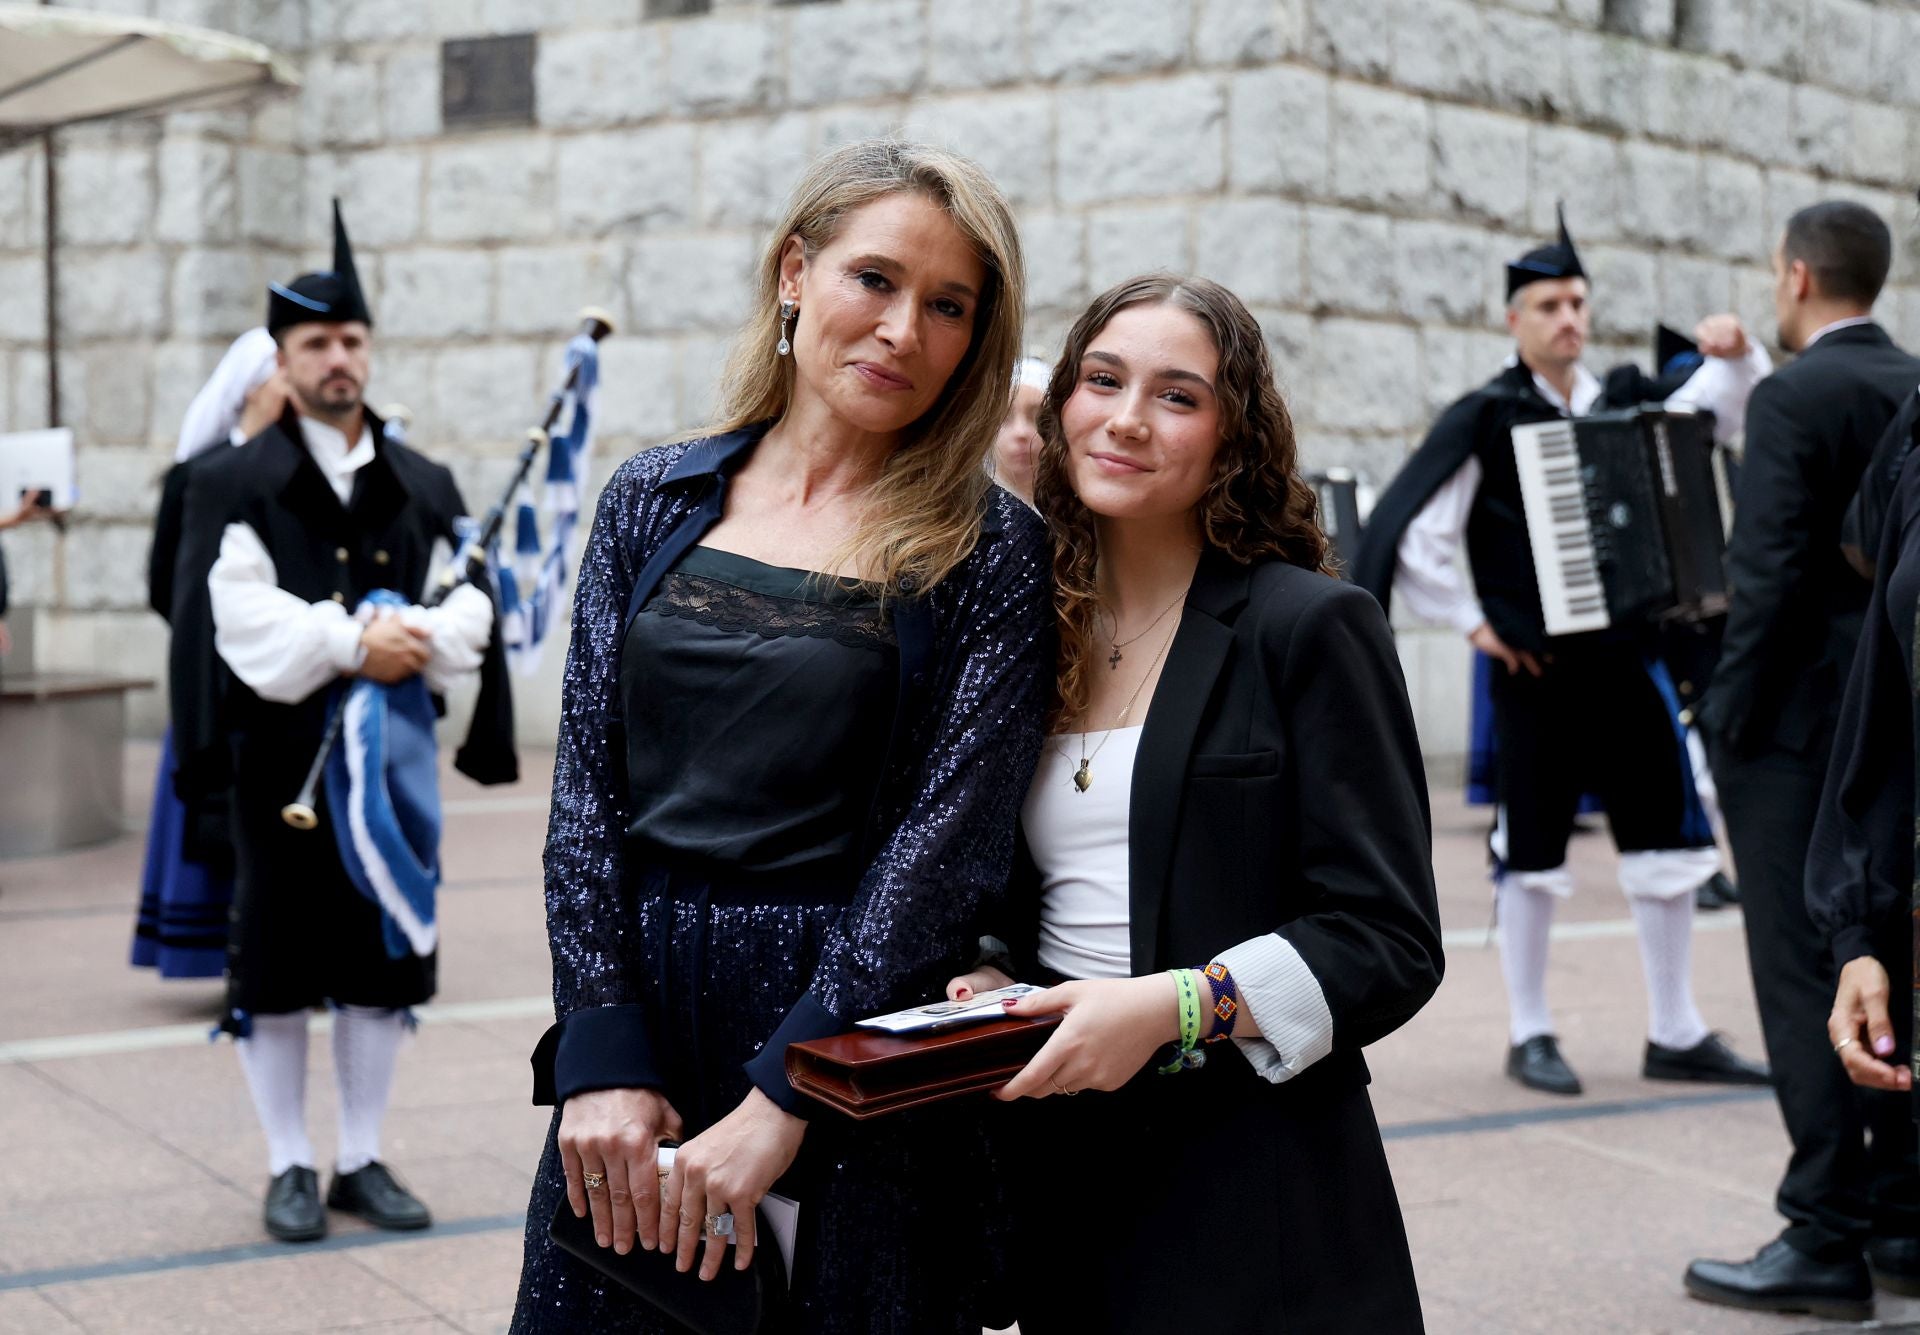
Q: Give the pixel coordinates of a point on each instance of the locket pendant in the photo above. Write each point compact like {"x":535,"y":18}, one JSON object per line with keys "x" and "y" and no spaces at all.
{"x":1083,"y":777}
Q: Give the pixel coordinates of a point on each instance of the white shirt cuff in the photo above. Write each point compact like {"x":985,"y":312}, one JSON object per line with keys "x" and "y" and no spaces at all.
{"x":1277,"y":988}
{"x":344,"y":649}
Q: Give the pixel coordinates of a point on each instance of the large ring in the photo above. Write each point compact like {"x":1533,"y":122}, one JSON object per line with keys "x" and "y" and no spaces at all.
{"x":1841,"y":1045}
{"x":593,"y":1181}
{"x":720,"y":1225}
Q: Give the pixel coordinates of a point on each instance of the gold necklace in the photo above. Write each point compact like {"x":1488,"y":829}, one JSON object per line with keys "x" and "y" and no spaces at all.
{"x":1113,"y":659}
{"x":1083,"y":777}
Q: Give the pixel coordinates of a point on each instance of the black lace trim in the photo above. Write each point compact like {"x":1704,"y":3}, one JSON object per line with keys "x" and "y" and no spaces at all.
{"x":714,"y":602}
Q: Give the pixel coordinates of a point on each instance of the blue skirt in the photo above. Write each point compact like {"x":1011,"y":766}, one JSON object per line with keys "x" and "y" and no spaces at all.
{"x":181,"y":928}
{"x":902,"y":1226}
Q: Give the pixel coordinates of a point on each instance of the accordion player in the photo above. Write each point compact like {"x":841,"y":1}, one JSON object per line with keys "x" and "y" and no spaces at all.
{"x":1627,"y":514}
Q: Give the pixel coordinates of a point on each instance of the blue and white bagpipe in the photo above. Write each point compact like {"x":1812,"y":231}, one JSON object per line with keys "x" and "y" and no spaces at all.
{"x":383,"y":790}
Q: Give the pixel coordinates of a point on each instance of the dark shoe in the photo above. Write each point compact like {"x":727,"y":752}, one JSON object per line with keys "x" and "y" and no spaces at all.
{"x":1895,"y":1263}
{"x":1537,"y":1064}
{"x":1782,"y":1279}
{"x":374,"y":1195}
{"x":1710,"y":1061}
{"x":293,"y":1212}
{"x":1715,"y":893}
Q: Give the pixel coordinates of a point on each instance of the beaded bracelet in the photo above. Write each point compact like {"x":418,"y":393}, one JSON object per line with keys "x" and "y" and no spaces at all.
{"x":1187,"y":1055}
{"x":1226,"y":1002}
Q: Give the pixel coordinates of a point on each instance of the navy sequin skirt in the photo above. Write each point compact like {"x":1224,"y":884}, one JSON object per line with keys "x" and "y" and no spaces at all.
{"x":901,"y":1227}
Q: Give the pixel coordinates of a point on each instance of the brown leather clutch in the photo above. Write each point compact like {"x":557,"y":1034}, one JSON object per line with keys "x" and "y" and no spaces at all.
{"x":866,"y":1074}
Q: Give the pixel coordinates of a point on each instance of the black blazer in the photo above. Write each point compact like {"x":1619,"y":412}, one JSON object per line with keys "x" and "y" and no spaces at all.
{"x":1279,"y":787}
{"x":1797,"y":604}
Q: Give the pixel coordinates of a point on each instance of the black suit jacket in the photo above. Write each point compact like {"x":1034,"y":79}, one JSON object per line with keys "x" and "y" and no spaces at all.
{"x":1278,"y":787}
{"x":1797,"y":604}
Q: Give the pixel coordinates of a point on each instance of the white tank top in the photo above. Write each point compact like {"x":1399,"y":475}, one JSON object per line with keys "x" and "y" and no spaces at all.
{"x":1079,"y":842}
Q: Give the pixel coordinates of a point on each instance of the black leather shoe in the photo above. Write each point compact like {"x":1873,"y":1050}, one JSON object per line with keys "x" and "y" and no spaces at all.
{"x":1716,"y":892}
{"x":1537,"y":1064}
{"x":1710,"y":1061}
{"x":1782,"y":1279}
{"x":374,"y":1195}
{"x":1895,"y":1263}
{"x":293,"y":1212}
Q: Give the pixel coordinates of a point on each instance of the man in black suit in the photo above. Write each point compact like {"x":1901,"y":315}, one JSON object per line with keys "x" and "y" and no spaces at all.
{"x":1769,"y":718}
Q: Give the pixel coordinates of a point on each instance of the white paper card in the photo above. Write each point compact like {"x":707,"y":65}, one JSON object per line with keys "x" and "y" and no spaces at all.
{"x":37,"y":461}
{"x":940,"y":1014}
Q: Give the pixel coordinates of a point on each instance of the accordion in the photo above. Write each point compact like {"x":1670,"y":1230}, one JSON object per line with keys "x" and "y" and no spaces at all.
{"x":1627,"y":515}
{"x":1338,"y":491}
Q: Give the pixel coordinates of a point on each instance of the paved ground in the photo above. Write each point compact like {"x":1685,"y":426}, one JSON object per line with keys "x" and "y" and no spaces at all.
{"x":131,"y":1171}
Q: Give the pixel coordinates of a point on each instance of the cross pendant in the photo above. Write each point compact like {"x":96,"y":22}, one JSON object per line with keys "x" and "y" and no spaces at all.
{"x":1113,"y":659}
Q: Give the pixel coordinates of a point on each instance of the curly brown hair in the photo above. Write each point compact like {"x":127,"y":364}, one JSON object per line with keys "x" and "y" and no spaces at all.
{"x":1257,"y":506}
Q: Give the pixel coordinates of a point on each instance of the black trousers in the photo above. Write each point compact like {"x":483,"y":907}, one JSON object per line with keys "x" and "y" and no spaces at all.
{"x":1853,"y":1171}
{"x":1595,"y":722}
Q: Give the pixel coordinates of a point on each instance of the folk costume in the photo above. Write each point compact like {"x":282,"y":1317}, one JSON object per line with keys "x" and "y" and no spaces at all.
{"x":779,"y":806}
{"x":186,"y":884}
{"x":281,"y":541}
{"x":1601,"y":718}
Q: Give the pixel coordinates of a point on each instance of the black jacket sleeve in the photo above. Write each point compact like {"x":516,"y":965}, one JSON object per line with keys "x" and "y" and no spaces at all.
{"x":487,"y":756}
{"x":1372,"y":935}
{"x":1866,"y":520}
{"x":1770,"y":560}
{"x":166,"y":541}
{"x":3,"y":583}
{"x":1860,"y":865}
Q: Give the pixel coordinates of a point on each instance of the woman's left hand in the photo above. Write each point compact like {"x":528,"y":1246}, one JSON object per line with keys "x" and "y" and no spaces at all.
{"x":1112,"y":1027}
{"x":729,"y":1167}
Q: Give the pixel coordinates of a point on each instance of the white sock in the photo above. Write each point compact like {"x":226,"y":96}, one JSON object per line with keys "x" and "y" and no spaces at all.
{"x":1666,"y":956}
{"x":1526,"y":917}
{"x":366,"y":1042}
{"x":274,"y":1058}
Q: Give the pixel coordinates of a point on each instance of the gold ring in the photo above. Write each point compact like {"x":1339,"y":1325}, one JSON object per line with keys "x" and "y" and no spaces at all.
{"x":1840,"y":1045}
{"x":593,"y":1181}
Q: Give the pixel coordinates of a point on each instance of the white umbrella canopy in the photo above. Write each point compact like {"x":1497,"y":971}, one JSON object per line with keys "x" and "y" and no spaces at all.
{"x":60,"y":67}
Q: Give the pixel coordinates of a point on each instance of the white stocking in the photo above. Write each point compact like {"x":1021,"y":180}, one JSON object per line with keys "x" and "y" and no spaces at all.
{"x":1666,"y":955}
{"x":1526,"y":919}
{"x":366,"y":1042}
{"x":274,"y":1057}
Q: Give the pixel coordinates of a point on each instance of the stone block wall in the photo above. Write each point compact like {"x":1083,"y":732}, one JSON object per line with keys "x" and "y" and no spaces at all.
{"x":1357,"y":169}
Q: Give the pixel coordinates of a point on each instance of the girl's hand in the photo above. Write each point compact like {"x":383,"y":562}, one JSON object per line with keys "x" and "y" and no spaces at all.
{"x":1112,"y":1027}
{"x":729,"y":1168}
{"x":615,"y":1134}
{"x":986,"y":978}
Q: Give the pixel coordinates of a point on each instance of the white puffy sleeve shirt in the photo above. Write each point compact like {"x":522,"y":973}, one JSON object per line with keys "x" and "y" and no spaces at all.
{"x":285,"y":648}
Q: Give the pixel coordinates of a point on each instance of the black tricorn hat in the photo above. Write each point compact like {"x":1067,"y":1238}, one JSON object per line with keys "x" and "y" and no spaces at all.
{"x":334,"y":296}
{"x":1559,"y":260}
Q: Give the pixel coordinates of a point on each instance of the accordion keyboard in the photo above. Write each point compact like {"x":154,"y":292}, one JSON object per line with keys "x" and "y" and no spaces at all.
{"x":1558,"y":528}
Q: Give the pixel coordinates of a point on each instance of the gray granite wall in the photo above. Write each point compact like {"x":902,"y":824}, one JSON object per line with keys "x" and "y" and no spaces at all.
{"x":1356,"y":169}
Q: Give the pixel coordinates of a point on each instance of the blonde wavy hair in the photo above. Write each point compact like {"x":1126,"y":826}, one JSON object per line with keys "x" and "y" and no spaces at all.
{"x":923,"y":512}
{"x":1257,"y":506}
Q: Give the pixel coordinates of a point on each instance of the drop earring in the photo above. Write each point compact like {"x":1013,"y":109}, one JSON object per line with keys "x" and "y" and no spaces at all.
{"x":788,"y":309}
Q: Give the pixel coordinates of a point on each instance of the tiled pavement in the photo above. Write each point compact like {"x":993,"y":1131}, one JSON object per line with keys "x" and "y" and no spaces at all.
{"x":130,"y":1169}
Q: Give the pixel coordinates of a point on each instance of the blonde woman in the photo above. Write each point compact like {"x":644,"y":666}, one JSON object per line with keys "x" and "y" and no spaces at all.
{"x":806,"y":691}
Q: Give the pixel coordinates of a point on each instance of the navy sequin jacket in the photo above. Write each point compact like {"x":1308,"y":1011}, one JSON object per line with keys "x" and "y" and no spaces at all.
{"x":976,"y":660}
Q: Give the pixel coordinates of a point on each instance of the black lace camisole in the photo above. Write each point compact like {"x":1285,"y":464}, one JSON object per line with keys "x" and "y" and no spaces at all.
{"x":758,"y":703}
